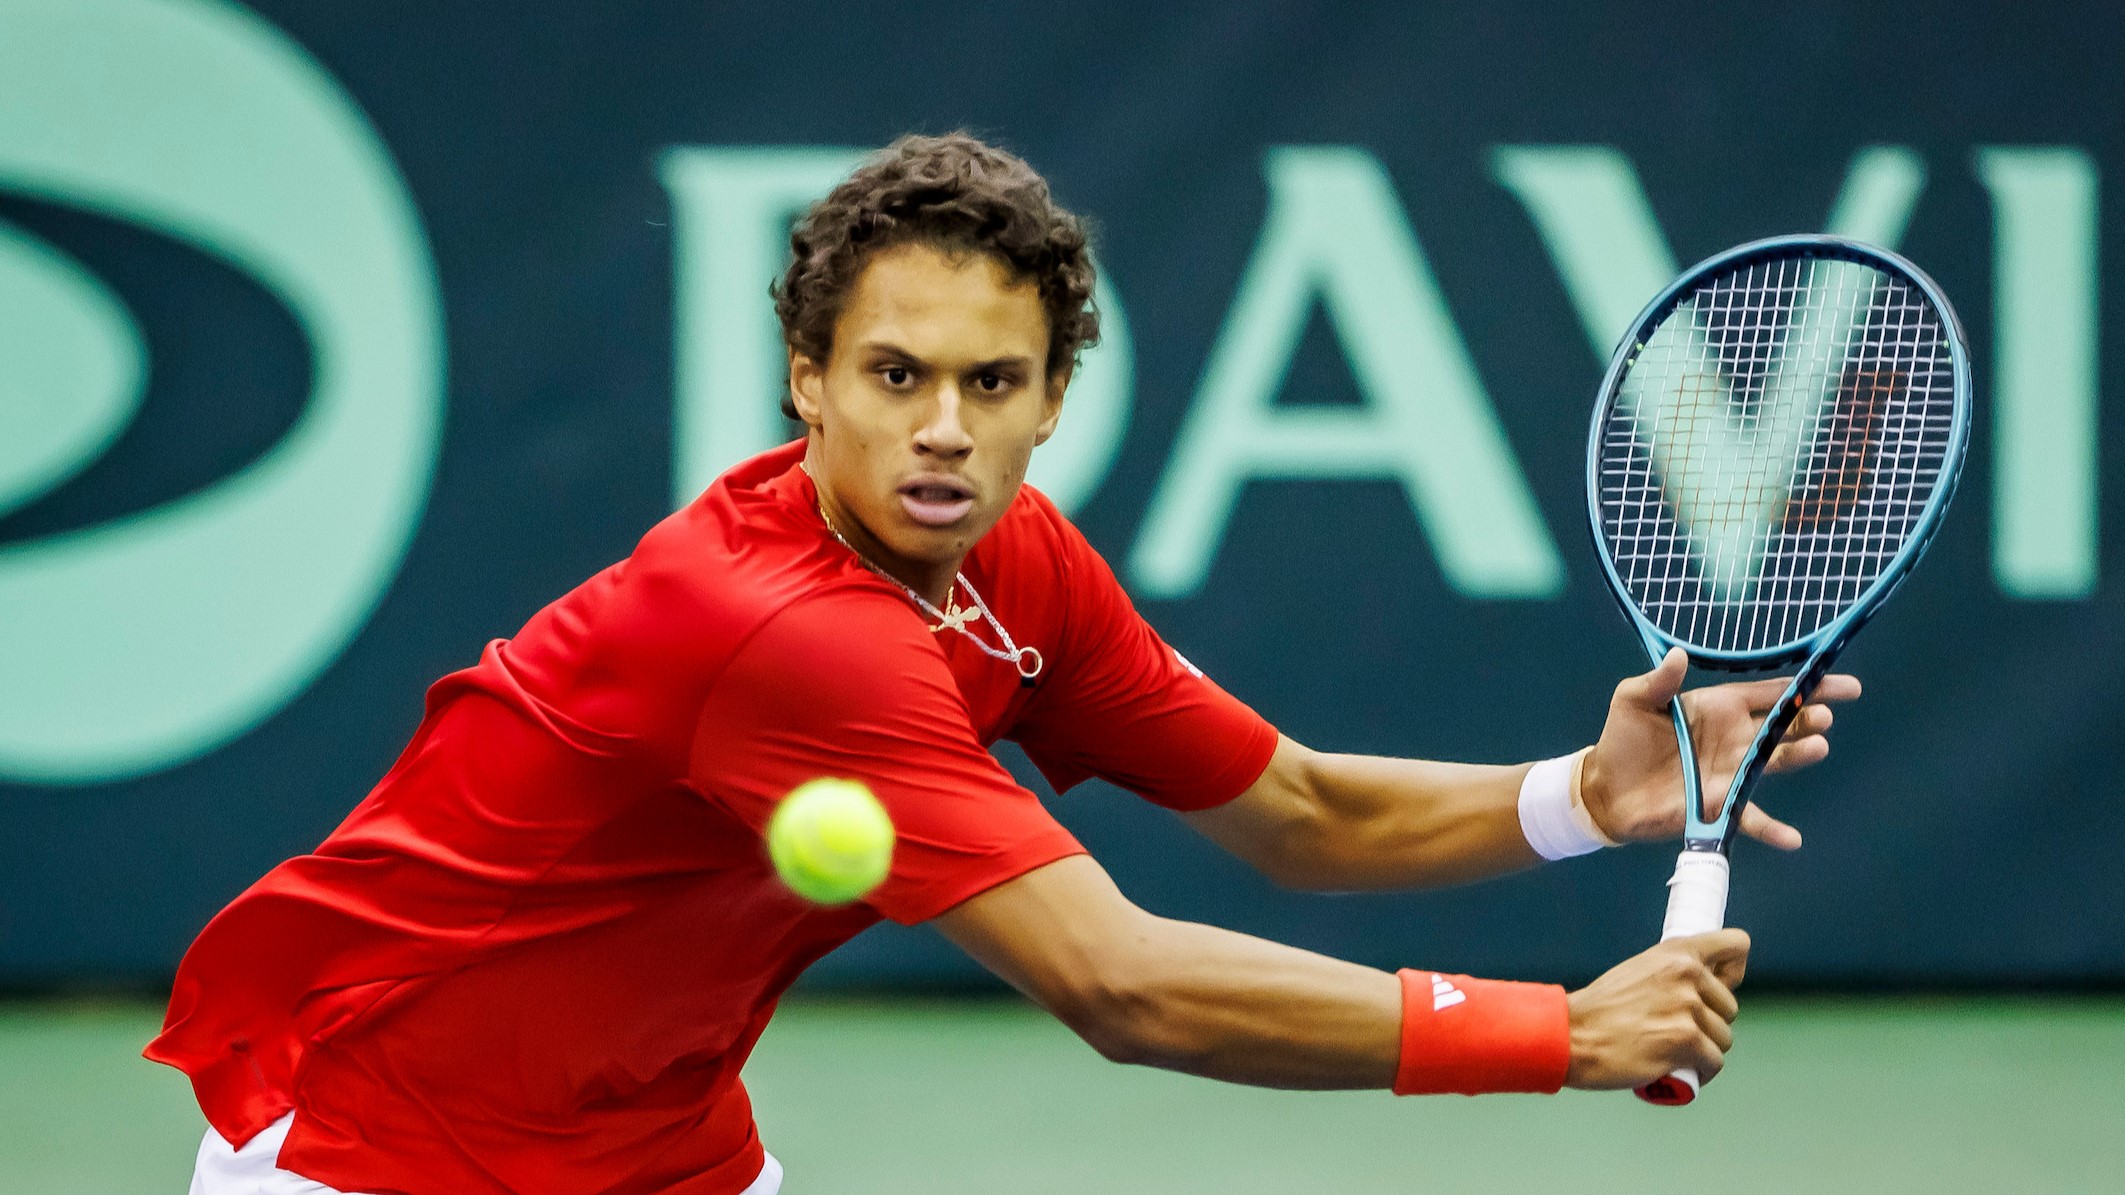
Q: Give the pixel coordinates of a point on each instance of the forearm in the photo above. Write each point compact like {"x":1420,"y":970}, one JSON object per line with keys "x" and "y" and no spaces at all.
{"x":1408,"y":823}
{"x":1349,"y":822}
{"x":1209,"y":1002}
{"x":1178,"y":995}
{"x":1227,"y":1006}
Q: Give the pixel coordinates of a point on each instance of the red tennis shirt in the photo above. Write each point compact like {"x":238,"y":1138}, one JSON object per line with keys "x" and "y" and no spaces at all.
{"x":535,"y":958}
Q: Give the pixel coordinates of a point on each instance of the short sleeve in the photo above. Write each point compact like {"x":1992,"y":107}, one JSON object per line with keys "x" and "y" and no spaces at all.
{"x":848,"y":684}
{"x":1123,"y":706}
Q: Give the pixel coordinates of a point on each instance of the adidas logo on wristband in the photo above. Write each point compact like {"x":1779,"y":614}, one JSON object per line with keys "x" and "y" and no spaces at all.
{"x":1518,"y":1037}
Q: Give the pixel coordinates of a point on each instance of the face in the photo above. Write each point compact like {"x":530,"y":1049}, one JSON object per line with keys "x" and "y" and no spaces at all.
{"x":926,"y":412}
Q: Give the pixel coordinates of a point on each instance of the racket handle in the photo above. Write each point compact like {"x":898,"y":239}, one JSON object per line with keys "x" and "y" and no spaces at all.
{"x":1697,"y":904}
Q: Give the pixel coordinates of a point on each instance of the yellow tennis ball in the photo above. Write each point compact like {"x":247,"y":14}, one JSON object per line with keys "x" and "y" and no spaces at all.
{"x":831,"y":841}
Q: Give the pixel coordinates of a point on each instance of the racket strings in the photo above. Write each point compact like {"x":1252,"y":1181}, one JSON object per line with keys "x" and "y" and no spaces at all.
{"x":1774,"y":443}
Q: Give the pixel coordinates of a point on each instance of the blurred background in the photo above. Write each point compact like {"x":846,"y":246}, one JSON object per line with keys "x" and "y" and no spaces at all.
{"x":337,"y":339}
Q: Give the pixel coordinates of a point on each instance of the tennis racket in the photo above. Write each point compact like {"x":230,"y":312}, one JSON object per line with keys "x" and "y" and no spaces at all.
{"x":1775,"y":443}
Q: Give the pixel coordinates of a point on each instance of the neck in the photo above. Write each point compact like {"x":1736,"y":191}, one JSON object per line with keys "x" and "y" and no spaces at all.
{"x":932,"y":581}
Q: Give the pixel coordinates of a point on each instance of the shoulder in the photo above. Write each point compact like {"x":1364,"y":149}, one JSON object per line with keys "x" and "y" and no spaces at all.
{"x":849,"y":664}
{"x":855,"y":630}
{"x":1035,"y":534}
{"x":745,"y":549}
{"x":654,"y":630}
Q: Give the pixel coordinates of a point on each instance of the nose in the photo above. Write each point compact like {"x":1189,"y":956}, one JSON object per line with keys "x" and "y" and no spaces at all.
{"x":943,"y":433}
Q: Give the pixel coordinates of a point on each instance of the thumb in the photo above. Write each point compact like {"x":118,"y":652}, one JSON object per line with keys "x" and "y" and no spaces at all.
{"x":1658,"y":687}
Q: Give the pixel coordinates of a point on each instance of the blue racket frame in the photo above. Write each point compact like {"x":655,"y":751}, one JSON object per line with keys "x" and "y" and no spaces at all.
{"x":1821,"y":647}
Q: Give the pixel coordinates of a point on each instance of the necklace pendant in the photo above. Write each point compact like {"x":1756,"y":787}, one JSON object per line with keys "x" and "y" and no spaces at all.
{"x":1029,"y":662}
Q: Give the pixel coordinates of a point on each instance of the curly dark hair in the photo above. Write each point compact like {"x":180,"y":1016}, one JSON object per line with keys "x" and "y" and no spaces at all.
{"x":958,"y":193}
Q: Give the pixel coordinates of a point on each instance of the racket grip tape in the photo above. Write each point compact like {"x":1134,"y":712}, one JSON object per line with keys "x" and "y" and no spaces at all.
{"x":1697,"y":904}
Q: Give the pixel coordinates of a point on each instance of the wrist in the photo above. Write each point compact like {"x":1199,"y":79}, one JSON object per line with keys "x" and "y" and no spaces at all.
{"x":1553,"y":810}
{"x":1467,"y":1036}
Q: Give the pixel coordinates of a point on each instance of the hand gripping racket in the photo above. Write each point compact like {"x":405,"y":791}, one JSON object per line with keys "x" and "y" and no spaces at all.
{"x":1776,"y":440}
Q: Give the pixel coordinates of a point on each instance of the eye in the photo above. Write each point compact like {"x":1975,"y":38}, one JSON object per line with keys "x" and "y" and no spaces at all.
{"x":991,"y":383}
{"x":896,"y":375}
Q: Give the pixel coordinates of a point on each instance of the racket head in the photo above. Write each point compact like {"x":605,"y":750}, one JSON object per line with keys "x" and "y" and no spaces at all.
{"x":1775,"y":442}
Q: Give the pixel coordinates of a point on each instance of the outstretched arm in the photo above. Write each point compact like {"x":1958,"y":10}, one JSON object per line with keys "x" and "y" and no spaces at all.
{"x":1321,"y":821}
{"x":1318,"y":821}
{"x":1205,"y":1001}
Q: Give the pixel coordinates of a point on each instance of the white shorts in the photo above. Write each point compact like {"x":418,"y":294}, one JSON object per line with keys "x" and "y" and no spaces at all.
{"x":250,"y":1170}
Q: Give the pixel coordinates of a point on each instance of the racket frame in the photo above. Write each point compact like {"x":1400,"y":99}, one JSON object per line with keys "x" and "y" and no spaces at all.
{"x":1820,"y":647}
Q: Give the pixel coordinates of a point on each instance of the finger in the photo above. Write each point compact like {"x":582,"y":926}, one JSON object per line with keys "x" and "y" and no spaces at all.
{"x":1760,"y":696}
{"x":1717,"y":999}
{"x":1769,"y":830}
{"x":1763,"y":695}
{"x":1805,"y":753}
{"x":1730,"y":970}
{"x":1658,"y":687}
{"x":1710,"y":1059}
{"x":1813,"y":719}
{"x":1838,"y":686}
{"x":1715,"y":1028}
{"x":1725,"y":951}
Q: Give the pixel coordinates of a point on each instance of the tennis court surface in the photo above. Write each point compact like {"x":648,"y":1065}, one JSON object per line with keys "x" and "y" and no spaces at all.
{"x":936,"y":1096}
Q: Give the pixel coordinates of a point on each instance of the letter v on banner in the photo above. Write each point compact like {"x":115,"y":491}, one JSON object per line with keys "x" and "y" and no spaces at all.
{"x":1594,"y":219}
{"x":1599,"y":228}
{"x":1336,"y":230}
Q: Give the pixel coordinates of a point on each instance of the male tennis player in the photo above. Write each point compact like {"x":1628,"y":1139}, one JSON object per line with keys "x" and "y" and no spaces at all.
{"x":535,"y":958}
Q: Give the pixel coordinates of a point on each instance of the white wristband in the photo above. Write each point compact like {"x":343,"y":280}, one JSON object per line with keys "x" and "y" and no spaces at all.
{"x":1556,"y":824}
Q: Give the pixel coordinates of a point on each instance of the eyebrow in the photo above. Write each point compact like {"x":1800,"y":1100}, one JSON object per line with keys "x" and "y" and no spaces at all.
{"x":1018,"y":361}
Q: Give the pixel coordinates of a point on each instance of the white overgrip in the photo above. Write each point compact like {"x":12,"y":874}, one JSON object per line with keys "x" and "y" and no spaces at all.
{"x":1697,"y":904}
{"x":1697,"y":895}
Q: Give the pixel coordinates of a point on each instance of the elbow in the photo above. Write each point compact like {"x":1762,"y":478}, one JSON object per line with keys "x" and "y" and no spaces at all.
{"x":1124,"y":1014}
{"x":1303,"y":856}
{"x":1295,"y":869}
{"x":1300,"y":847}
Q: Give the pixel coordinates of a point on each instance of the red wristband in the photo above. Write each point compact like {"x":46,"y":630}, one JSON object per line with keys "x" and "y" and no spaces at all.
{"x":1473,"y":1036}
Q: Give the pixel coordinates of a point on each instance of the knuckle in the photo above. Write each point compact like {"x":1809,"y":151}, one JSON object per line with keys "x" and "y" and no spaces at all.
{"x":1713,"y":1059}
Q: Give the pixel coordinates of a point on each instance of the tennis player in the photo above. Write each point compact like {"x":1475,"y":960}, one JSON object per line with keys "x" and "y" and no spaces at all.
{"x":536,"y":957}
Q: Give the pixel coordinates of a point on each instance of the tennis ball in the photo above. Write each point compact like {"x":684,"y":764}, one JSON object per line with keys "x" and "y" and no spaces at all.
{"x":831,"y":841}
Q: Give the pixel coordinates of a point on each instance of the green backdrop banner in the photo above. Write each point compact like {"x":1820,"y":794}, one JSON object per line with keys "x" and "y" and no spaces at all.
{"x":335,"y":340}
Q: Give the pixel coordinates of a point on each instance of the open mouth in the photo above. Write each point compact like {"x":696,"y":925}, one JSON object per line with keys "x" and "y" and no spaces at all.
{"x":936,"y":501}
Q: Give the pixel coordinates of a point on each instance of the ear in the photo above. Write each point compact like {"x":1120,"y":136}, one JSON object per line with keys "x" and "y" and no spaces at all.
{"x":807,"y":387}
{"x":1052,"y":405}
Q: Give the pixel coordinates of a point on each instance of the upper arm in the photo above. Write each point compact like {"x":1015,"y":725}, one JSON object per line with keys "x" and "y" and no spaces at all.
{"x":1277,"y":824}
{"x":851,"y":686}
{"x":1125,"y":707}
{"x":1062,"y":934}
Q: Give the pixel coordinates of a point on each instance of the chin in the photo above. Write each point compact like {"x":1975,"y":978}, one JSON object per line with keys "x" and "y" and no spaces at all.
{"x":940,"y":545}
{"x":935,"y":545}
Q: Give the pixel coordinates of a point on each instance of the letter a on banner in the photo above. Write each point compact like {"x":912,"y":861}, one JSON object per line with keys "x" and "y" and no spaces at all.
{"x":1335,"y":230}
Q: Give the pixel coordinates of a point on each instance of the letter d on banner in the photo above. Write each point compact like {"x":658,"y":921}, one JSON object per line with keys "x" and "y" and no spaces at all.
{"x":731,"y":212}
